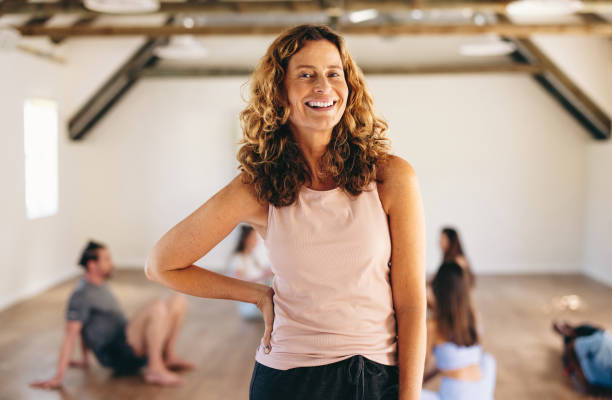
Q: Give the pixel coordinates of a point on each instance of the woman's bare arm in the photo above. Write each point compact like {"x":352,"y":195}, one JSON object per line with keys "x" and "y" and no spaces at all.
{"x":170,"y":262}
{"x":407,"y":227}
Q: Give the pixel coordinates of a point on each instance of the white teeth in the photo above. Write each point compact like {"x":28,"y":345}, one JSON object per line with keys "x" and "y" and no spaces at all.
{"x":319,"y":104}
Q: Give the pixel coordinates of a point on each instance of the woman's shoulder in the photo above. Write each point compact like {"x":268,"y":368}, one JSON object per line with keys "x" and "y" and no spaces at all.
{"x":462,"y":261}
{"x":393,"y":175}
{"x":393,"y":168}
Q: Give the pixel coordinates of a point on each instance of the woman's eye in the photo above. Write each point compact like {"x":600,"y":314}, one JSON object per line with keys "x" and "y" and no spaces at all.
{"x":334,"y":74}
{"x":305,"y":75}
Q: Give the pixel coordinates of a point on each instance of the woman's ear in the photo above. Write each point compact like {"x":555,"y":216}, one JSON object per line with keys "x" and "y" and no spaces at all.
{"x":283,"y":107}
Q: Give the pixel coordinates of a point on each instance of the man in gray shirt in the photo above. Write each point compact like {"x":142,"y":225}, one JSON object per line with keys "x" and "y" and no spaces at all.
{"x":94,"y":314}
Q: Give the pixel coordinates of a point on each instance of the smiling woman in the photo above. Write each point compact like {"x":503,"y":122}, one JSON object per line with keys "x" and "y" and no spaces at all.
{"x":342,"y":320}
{"x":316,"y":93}
{"x":304,"y":70}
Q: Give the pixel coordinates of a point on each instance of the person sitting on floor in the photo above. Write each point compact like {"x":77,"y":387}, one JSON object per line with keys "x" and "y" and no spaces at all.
{"x":94,"y":314}
{"x":587,"y":356}
{"x":468,"y":373}
{"x":452,"y":250}
{"x":245,"y":265}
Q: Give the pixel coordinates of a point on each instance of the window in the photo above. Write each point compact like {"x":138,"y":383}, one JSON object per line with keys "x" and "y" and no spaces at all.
{"x":40,"y":147}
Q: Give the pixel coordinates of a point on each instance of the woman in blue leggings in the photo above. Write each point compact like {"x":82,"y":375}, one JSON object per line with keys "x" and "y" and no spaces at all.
{"x":452,"y":337}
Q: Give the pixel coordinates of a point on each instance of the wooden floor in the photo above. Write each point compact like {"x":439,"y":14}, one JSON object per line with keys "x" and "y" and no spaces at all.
{"x":516,"y":312}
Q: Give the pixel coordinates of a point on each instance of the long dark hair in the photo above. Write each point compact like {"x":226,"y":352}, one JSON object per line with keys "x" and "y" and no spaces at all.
{"x":245,"y":231}
{"x":454,"y":313}
{"x":454,"y":250}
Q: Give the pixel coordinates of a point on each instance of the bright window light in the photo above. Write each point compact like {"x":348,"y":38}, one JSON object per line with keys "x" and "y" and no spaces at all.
{"x":40,"y":146}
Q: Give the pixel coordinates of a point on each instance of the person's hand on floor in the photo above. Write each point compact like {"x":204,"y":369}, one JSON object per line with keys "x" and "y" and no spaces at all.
{"x":50,"y":384}
{"x":79,"y":364}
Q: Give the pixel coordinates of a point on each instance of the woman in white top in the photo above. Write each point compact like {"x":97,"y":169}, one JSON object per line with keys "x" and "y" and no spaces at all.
{"x":244,"y":265}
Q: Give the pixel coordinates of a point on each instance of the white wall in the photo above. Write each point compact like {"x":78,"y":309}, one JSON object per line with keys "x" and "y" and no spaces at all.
{"x":39,"y":253}
{"x":598,"y":237}
{"x":33,"y":252}
{"x":499,"y":159}
{"x":592,"y":72}
{"x":495,"y":155}
{"x":160,"y":153}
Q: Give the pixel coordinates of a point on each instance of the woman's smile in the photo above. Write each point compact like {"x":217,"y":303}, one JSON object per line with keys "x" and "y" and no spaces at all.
{"x":321,"y":105}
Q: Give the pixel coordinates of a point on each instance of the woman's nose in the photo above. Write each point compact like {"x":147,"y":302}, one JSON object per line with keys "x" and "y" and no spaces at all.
{"x":322,"y":85}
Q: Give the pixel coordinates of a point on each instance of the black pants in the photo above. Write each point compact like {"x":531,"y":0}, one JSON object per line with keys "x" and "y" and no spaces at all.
{"x":120,"y":356}
{"x":356,"y":378}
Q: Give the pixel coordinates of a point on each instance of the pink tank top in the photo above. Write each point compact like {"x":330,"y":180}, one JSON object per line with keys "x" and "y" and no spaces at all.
{"x":330,"y":253}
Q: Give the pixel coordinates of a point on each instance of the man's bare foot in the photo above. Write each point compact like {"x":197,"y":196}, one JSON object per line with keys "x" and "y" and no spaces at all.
{"x":162,"y":377}
{"x":178,"y":364}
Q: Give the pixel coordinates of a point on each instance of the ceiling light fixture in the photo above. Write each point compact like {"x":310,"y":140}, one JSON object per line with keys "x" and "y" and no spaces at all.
{"x":417,"y":14}
{"x":543,"y":7}
{"x":122,"y":6}
{"x":362,"y":15}
{"x":182,"y":47}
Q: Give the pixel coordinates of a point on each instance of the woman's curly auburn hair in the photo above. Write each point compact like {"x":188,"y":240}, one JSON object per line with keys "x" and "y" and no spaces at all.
{"x":270,"y":158}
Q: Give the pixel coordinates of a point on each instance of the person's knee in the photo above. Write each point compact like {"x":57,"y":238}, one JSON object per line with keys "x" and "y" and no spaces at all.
{"x":158,"y":309}
{"x":177,"y":303}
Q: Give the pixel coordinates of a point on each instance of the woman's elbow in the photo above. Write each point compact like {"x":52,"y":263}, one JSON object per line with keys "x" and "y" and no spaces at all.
{"x":152,"y":268}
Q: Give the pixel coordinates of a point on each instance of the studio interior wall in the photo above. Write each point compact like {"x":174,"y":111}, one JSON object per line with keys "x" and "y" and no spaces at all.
{"x":41,"y":252}
{"x":496,"y":157}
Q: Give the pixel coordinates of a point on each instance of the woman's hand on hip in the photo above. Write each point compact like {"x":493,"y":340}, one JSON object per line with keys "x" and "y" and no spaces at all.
{"x":266,"y":305}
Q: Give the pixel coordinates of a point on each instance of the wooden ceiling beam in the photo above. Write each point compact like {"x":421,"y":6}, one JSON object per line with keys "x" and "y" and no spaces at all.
{"x":592,"y":18}
{"x":501,"y":28}
{"x":66,"y":6}
{"x":114,"y":88}
{"x":83,"y":21}
{"x":518,"y":68}
{"x":18,"y":7}
{"x":559,"y":85}
{"x":38,"y":20}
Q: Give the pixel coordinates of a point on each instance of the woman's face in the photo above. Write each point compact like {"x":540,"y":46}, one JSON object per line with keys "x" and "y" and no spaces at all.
{"x":315,"y":87}
{"x":444,"y":243}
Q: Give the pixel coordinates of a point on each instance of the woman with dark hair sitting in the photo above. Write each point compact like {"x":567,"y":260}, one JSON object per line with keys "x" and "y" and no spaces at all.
{"x":587,"y":356}
{"x":245,"y":265}
{"x":452,"y":251}
{"x":452,"y":336}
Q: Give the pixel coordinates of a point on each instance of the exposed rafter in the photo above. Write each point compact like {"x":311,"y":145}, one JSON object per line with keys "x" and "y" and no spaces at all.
{"x":563,"y":88}
{"x":69,"y":6}
{"x":518,"y":68}
{"x":38,"y":20}
{"x":83,"y":21}
{"x":104,"y":98}
{"x":501,"y":28}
